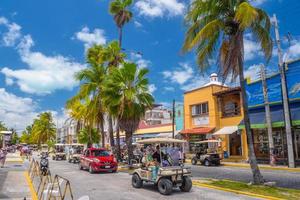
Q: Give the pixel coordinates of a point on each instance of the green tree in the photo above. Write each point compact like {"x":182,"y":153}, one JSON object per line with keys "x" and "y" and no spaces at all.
{"x":26,"y":136}
{"x":14,"y":136}
{"x":43,"y":129}
{"x":218,"y":27}
{"x":119,"y":9}
{"x":127,"y":97}
{"x":85,"y":137}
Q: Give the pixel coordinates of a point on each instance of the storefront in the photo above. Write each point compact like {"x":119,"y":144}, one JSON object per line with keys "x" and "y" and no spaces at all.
{"x":196,"y":135}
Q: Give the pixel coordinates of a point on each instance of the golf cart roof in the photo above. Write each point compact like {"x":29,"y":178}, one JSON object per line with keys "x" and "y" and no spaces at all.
{"x":160,"y":140}
{"x":207,"y":141}
{"x":59,"y":144}
{"x":76,"y":144}
{"x":44,"y":145}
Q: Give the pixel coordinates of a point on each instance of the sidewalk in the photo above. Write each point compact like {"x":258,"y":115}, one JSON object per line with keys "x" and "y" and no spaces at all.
{"x":13,"y":180}
{"x":261,"y":166}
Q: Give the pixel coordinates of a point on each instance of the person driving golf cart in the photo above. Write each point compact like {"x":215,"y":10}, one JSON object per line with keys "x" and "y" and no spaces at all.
{"x":158,"y":167}
{"x":207,"y":153}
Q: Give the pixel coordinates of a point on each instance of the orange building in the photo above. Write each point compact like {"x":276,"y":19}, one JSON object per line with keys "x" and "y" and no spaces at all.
{"x":214,"y":111}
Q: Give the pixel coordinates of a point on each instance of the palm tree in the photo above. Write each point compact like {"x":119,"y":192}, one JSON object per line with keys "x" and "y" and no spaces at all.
{"x":127,"y":97}
{"x":118,"y":8}
{"x":43,"y":129}
{"x":220,"y":25}
{"x":90,"y":91}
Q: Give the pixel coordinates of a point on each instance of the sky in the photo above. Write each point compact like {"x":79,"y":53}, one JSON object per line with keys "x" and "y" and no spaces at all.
{"x":43,"y":44}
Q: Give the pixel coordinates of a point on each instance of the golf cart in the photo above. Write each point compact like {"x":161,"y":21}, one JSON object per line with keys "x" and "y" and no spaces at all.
{"x":207,"y":153}
{"x":59,"y":152}
{"x":164,"y":176}
{"x":75,"y":152}
{"x":44,"y":149}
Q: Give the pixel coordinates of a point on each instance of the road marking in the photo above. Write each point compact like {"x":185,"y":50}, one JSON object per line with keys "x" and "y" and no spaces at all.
{"x":196,"y":183}
{"x":31,"y":188}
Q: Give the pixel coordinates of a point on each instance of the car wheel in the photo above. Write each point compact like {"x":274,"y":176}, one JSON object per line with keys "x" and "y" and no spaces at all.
{"x":114,"y":171}
{"x":194,"y":161}
{"x":186,"y":184}
{"x":91,"y":169}
{"x":136,"y":181}
{"x":206,"y":163}
{"x":80,"y":166}
{"x":165,"y":186}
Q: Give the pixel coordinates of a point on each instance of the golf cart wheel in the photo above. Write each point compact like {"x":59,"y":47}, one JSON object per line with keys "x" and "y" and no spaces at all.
{"x":165,"y":186}
{"x":194,"y":161}
{"x":91,"y":169}
{"x":53,"y":158}
{"x":206,"y":163}
{"x":136,"y":181}
{"x":69,"y":160}
{"x":186,"y":184}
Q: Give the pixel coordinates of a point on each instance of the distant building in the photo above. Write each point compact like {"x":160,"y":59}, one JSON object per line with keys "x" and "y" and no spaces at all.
{"x":158,"y":115}
{"x":68,"y":132}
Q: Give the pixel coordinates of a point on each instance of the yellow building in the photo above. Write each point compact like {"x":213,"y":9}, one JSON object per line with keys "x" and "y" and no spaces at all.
{"x":214,"y":111}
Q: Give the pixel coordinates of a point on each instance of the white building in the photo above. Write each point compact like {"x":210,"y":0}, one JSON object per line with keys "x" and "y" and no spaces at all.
{"x":158,"y":115}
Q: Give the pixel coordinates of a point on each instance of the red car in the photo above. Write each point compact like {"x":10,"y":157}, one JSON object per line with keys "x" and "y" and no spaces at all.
{"x":98,"y":160}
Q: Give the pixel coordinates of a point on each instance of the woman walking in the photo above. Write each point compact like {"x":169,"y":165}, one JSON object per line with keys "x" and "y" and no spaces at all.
{"x":3,"y":153}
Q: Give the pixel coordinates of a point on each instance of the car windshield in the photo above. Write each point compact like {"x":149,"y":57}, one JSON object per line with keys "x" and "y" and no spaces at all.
{"x":99,"y":153}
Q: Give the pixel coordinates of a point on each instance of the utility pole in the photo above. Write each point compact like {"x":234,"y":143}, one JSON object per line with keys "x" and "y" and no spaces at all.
{"x":285,"y":101}
{"x":173,"y":120}
{"x":268,"y":115}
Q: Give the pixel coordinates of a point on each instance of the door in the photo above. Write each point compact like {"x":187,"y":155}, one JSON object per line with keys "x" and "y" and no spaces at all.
{"x":235,"y":144}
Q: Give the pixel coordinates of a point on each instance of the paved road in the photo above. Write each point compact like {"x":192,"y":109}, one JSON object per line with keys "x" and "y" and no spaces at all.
{"x":107,"y":186}
{"x":282,"y":178}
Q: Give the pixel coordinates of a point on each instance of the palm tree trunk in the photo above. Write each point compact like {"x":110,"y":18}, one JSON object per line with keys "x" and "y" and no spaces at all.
{"x":102,"y":134}
{"x":129,"y":146}
{"x":111,"y":132}
{"x":120,"y":36}
{"x":257,"y":177}
{"x":118,"y":140}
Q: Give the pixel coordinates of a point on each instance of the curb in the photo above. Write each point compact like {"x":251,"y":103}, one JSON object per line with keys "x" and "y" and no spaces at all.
{"x":262,"y":167}
{"x":196,"y":183}
{"x":248,"y":166}
{"x":31,"y":188}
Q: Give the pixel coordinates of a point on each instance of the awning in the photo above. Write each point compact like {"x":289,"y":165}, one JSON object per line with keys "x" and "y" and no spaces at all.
{"x":145,"y":135}
{"x":227,"y":130}
{"x":258,"y":116}
{"x":199,"y":130}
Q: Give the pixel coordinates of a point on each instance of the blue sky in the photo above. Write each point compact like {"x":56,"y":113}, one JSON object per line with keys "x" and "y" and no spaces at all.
{"x":42,"y":44}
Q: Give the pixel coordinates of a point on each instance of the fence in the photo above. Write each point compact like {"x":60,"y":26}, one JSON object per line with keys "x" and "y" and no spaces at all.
{"x":46,"y":186}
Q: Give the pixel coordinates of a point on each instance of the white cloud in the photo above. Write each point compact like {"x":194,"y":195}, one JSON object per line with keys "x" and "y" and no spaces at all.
{"x":159,"y":8}
{"x":44,"y":74}
{"x":139,"y":60}
{"x":252,"y":49}
{"x":293,"y":52}
{"x":90,"y":38}
{"x":152,"y":88}
{"x":196,"y":82}
{"x":13,"y":33}
{"x":16,"y":112}
{"x":180,"y":75}
{"x":137,"y":24}
{"x":253,"y":72}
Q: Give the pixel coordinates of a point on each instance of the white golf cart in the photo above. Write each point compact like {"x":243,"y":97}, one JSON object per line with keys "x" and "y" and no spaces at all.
{"x":59,"y":152}
{"x":75,"y":151}
{"x":167,"y":177}
{"x":207,"y":153}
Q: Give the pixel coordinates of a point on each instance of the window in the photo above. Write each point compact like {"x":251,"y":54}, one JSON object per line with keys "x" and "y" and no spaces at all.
{"x":200,"y":109}
{"x":231,"y":109}
{"x":100,"y":153}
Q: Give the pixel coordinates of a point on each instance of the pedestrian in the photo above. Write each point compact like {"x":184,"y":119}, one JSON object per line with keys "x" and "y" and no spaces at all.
{"x":3,"y":153}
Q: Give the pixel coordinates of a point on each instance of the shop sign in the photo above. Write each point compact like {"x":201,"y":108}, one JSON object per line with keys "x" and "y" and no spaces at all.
{"x":201,"y":120}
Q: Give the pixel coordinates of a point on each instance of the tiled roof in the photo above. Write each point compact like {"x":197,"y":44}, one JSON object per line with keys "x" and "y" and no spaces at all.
{"x":198,"y":130}
{"x":228,"y":91}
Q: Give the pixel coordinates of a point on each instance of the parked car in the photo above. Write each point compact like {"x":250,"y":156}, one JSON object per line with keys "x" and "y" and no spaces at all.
{"x":208,"y":156}
{"x":98,"y":160}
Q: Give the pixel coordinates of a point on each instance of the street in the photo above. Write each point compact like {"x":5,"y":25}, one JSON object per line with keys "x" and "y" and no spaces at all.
{"x":118,"y":186}
{"x":282,"y":178}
